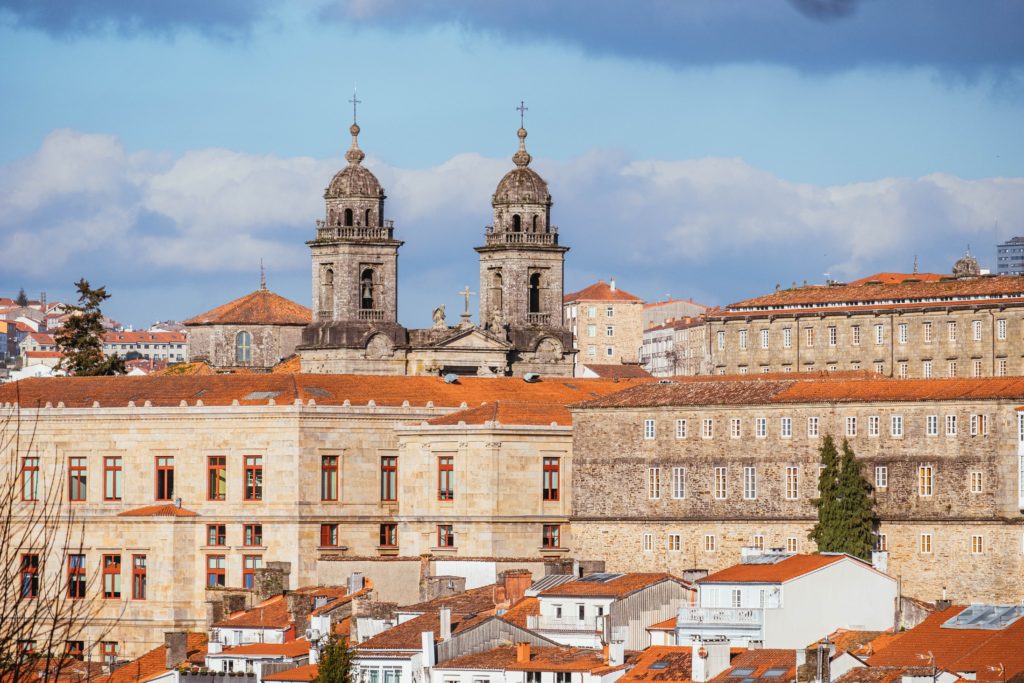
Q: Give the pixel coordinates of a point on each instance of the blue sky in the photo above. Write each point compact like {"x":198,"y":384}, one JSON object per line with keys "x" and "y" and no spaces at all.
{"x":710,"y":149}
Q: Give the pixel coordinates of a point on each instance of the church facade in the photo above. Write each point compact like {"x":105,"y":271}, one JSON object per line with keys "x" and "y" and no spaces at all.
{"x":355,"y":328}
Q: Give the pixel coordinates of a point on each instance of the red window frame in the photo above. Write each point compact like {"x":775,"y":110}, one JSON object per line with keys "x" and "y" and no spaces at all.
{"x":249,"y":567}
{"x":445,"y":536}
{"x":164,"y":478}
{"x":78,"y":476}
{"x":216,"y":477}
{"x":389,"y":535}
{"x":76,"y":576}
{"x":113,"y":477}
{"x":550,"y":478}
{"x":216,"y":534}
{"x":30,"y":478}
{"x":551,"y":536}
{"x":111,"y":566}
{"x":329,"y":477}
{"x":328,"y":535}
{"x":138,"y":577}
{"x":29,"y":576}
{"x":446,"y":477}
{"x":108,"y":651}
{"x":254,"y":477}
{"x":26,"y":648}
{"x":252,"y":535}
{"x":75,"y":649}
{"x":389,"y":478}
{"x":215,"y":574}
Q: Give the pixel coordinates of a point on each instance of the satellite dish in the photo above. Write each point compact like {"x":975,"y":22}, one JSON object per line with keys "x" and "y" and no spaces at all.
{"x":451,"y":378}
{"x":531,"y":377}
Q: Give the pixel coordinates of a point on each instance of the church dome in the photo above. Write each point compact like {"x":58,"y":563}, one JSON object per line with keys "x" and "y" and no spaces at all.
{"x":354,"y":180}
{"x":522,"y":185}
{"x":966,"y":266}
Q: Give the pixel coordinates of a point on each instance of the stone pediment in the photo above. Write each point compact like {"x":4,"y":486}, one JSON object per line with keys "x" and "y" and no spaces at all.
{"x":469,"y":338}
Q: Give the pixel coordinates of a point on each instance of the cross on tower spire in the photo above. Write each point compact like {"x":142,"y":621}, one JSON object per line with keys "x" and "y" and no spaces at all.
{"x":355,"y":101}
{"x":522,"y":109}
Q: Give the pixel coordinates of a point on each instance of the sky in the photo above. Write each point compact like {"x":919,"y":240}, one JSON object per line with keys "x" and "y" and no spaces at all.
{"x":708,"y":149}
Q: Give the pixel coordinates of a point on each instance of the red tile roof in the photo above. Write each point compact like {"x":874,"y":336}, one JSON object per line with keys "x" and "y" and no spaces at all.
{"x":958,"y":649}
{"x":291,"y":649}
{"x":262,"y":307}
{"x":620,"y":587}
{"x":271,"y":613}
{"x":617,"y":370}
{"x":163,"y":510}
{"x":44,"y":354}
{"x":252,"y":389}
{"x":677,"y":662}
{"x":517,"y":614}
{"x":667,"y":625}
{"x":144,"y":338}
{"x":761,"y":661}
{"x":301,"y":674}
{"x":509,"y":413}
{"x":780,"y":572}
{"x":152,"y":663}
{"x":885,"y":674}
{"x":472,"y":601}
{"x":897,"y":278}
{"x":541,"y":659}
{"x":601,"y":291}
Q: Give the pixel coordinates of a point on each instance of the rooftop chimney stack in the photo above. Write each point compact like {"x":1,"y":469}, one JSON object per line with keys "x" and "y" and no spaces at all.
{"x":446,"y":623}
{"x":522,"y":653}
{"x":613,"y":284}
{"x":176,"y":643}
{"x":710,"y":657}
{"x":427,"y":644}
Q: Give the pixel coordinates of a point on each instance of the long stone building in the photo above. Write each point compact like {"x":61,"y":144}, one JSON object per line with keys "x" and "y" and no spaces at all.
{"x":680,"y":474}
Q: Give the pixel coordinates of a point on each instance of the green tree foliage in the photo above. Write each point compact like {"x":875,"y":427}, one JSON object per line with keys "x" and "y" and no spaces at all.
{"x":81,"y":338}
{"x":846,"y":515}
{"x":22,"y":300}
{"x":335,"y":664}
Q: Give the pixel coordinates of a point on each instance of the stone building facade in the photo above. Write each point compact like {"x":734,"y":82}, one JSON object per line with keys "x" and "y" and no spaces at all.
{"x":355,"y":287}
{"x":675,"y":348}
{"x":606,"y":323}
{"x":685,"y":474}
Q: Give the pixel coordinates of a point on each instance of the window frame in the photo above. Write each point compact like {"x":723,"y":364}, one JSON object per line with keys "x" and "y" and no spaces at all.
{"x":654,"y":482}
{"x":749,"y":482}
{"x":446,"y":536}
{"x":678,"y":483}
{"x":139,"y":578}
{"x":252,"y":535}
{"x":388,"y":535}
{"x":813,"y":428}
{"x":216,"y":535}
{"x":792,"y":482}
{"x":253,"y":478}
{"x":250,"y":563}
{"x":329,"y":478}
{"x":881,"y":476}
{"x":329,"y":535}
{"x":650,"y":429}
{"x":164,"y":477}
{"x":681,"y":428}
{"x":216,"y":477}
{"x":111,"y":576}
{"x":30,"y":478}
{"x":551,"y":536}
{"x":925,"y":480}
{"x":551,"y":475}
{"x":446,"y":478}
{"x":720,"y":489}
{"x":78,"y":478}
{"x":29,"y":576}
{"x":216,"y":571}
{"x":389,"y":478}
{"x":76,"y":576}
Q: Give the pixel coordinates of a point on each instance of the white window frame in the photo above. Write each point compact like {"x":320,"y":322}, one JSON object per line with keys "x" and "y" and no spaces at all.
{"x":881,"y":476}
{"x":721,"y":340}
{"x":792,"y":482}
{"x":654,"y":483}
{"x":707,"y":428}
{"x":787,"y":337}
{"x":896,"y":426}
{"x":650,"y":429}
{"x":951,"y":331}
{"x":812,"y":428}
{"x":951,"y":425}
{"x":793,"y":544}
{"x":764,"y":339}
{"x":735,"y":427}
{"x":675,"y":543}
{"x":925,"y":481}
{"x":931,"y":427}
{"x":851,"y":425}
{"x":977,"y":481}
{"x":710,"y":543}
{"x":904,"y":333}
{"x":927,"y":327}
{"x":678,"y":483}
{"x":721,"y":483}
{"x":743,"y":340}
{"x":924,"y":543}
{"x":976,"y":330}
{"x":833,"y":335}
{"x":874,"y":425}
{"x":879,"y":335}
{"x":749,"y":482}
{"x":977,"y":544}
{"x":761,"y":427}
{"x":681,"y":428}
{"x":1001,"y":329}
{"x":648,"y":542}
{"x":786,"y":427}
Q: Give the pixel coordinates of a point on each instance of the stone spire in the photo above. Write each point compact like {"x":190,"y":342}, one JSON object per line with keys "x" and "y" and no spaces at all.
{"x":522,"y":157}
{"x":355,"y":155}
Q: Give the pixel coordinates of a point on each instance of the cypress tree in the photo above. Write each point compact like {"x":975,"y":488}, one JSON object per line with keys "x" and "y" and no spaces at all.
{"x":826,"y":532}
{"x":22,"y":300}
{"x":81,"y":338}
{"x":335,"y":665}
{"x":856,"y":505}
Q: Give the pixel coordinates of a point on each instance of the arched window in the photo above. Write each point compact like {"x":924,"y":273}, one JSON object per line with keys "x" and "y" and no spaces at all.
{"x":366,"y":290}
{"x":366,"y":219}
{"x":535,"y":223}
{"x":496,"y":293}
{"x":348,"y":216}
{"x":243,"y":348}
{"x":327,"y":293}
{"x":535,"y":293}
{"x":332,"y":217}
{"x":517,"y":223}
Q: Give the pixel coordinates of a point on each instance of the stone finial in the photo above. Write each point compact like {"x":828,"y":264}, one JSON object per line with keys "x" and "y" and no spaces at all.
{"x":430,"y":404}
{"x":346,"y":403}
{"x":354,"y":155}
{"x":235,"y":402}
{"x":147,"y":404}
{"x":463,"y":405}
{"x":298,"y":402}
{"x":371,"y":403}
{"x":522,"y":158}
{"x":311,"y":402}
{"x":271,"y":402}
{"x":199,"y":403}
{"x":60,"y":404}
{"x":183,"y":404}
{"x":49,"y":405}
{"x":95,"y":404}
{"x":131,"y":404}
{"x":405,"y":403}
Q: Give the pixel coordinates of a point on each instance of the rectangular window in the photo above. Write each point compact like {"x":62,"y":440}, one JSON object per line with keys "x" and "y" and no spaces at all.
{"x":710,"y":543}
{"x":879,"y":368}
{"x":216,"y":534}
{"x":328,"y":535}
{"x":951,"y":425}
{"x":108,"y":651}
{"x":254,"y":477}
{"x":550,"y":479}
{"x":329,"y":477}
{"x":445,"y":536}
{"x":215,"y":571}
{"x":927,"y":327}
{"x":654,"y":483}
{"x":760,"y":427}
{"x":75,"y":649}
{"x":879,"y":335}
{"x":1001,"y":368}
{"x":855,"y":330}
{"x":721,"y":341}
{"x":29,"y":576}
{"x":388,"y":535}
{"x":591,"y":311}
{"x":952,"y":368}
{"x":77,"y":478}
{"x":787,"y":338}
{"x":764,"y":339}
{"x":138,"y":577}
{"x":649,"y":429}
{"x":609,"y":331}
{"x":976,"y":330}
{"x":252,"y":535}
{"x":812,"y":427}
{"x":792,"y":544}
{"x":648,"y":543}
{"x":874,"y":425}
{"x":925,"y":544}
{"x":111,"y":576}
{"x":976,"y":482}
{"x":833,"y":336}
{"x":925,"y":479}
{"x":976,"y":367}
{"x":881,"y":542}
{"x":609,"y":311}
{"x":903,"y":333}
{"x":932,"y":425}
{"x":216,"y":477}
{"x":250,"y":563}
{"x":707,"y":428}
{"x":903,"y":369}
{"x":113,"y":478}
{"x":809,"y":337}
{"x":881,"y":476}
{"x":851,"y":426}
{"x":749,"y":482}
{"x":76,"y":577}
{"x":977,"y":544}
{"x":743,"y":340}
{"x":389,"y":477}
{"x":896,"y":425}
{"x":446,"y":477}
{"x":551,"y":536}
{"x":951,"y":329}
{"x":164,"y":477}
{"x":926,"y":369}
{"x":758,"y":542}
{"x":735,"y":427}
{"x":678,"y":482}
{"x":786,"y":427}
{"x":1001,"y":329}
{"x":721,"y":483}
{"x":792,"y":482}
{"x":680,"y":429}
{"x":30,"y":478}
{"x":675,"y":543}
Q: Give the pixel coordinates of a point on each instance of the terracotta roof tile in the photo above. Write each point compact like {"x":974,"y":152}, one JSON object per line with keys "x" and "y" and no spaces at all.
{"x":271,"y":613}
{"x":508,"y":413}
{"x":44,"y":354}
{"x":472,"y":601}
{"x":617,"y":370}
{"x":897,"y":278}
{"x":619,"y":587}
{"x":601,"y":291}
{"x":306,"y":672}
{"x":667,"y":625}
{"x":144,"y":338}
{"x":884,"y":674}
{"x":518,"y":613}
{"x":164,"y":510}
{"x":291,"y":649}
{"x":677,"y":662}
{"x":859,"y":643}
{"x":262,"y":307}
{"x":761,"y":661}
{"x":152,"y":663}
{"x":784,"y":570}
{"x":289,"y":365}
{"x":541,"y":659}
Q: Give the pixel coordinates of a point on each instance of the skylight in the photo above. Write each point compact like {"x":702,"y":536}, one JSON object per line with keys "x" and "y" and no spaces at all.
{"x":993,"y":617}
{"x":774,"y":673}
{"x":741,"y":672}
{"x":600,"y":578}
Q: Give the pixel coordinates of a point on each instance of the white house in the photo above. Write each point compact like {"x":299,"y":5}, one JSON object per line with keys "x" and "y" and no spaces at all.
{"x":780,"y":600}
{"x":254,"y":657}
{"x":523,"y":663}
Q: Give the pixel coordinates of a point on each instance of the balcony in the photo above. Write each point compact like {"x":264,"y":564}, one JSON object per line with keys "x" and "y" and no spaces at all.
{"x":564,"y":623}
{"x":538,"y":318}
{"x":720,"y":616}
{"x":337,"y":232}
{"x":370,"y":314}
{"x":539,"y":238}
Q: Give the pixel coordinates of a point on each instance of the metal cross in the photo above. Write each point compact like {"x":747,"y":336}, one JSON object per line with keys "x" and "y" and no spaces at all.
{"x":466,"y":293}
{"x":522,"y":109}
{"x":354,"y":102}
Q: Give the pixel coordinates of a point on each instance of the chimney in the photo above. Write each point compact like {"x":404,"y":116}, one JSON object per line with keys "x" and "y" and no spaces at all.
{"x":355,"y":582}
{"x":522,"y":653}
{"x":616,"y":653}
{"x":710,"y":657}
{"x":515,"y":582}
{"x":446,"y":623}
{"x":427,"y":645}
{"x":271,"y":580}
{"x":943,"y":604}
{"x":176,"y":643}
{"x":299,"y":608}
{"x":612,"y":283}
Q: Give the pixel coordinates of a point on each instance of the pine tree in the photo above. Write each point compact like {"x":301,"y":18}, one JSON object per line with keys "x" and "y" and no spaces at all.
{"x":335,"y":665}
{"x":856,"y":505}
{"x":81,"y":338}
{"x":826,"y":532}
{"x":22,"y":300}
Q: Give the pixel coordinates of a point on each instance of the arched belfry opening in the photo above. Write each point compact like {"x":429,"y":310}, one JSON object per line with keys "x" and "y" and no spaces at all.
{"x":517,"y":223}
{"x":535,"y":293}
{"x":327,"y":292}
{"x":366,"y":290}
{"x":348,"y":217}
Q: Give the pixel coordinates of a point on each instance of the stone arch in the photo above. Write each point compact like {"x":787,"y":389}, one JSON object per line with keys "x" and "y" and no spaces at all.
{"x":535,"y":293}
{"x":327,"y":291}
{"x":379,"y":346}
{"x":517,"y":223}
{"x":367,"y":290}
{"x":348,"y":217}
